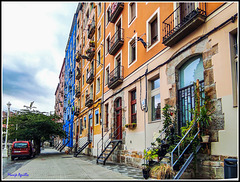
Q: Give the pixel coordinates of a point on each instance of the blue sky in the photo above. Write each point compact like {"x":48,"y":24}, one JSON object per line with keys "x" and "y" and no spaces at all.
{"x":34,"y":38}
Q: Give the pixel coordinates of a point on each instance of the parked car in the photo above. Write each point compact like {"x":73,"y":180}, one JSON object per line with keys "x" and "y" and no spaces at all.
{"x":22,"y":149}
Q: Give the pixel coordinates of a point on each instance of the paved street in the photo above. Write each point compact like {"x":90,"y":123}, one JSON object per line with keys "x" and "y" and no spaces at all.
{"x":52,"y":164}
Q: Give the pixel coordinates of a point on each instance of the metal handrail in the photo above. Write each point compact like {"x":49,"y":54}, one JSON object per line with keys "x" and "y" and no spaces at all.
{"x":118,"y":36}
{"x":101,"y":140}
{"x":178,"y":145}
{"x":109,"y":138}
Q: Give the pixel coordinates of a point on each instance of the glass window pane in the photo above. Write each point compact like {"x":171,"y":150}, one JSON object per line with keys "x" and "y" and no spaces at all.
{"x":155,"y":83}
{"x":191,"y":71}
{"x":156,"y":107}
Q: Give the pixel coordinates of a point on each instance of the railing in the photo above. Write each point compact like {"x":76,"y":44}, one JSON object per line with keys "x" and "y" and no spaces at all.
{"x":91,"y":29}
{"x":78,"y":75}
{"x":89,"y":99}
{"x":77,"y":91}
{"x":186,"y":102}
{"x":115,"y":75}
{"x":176,"y":19}
{"x":77,"y":111}
{"x":90,"y":76}
{"x":82,"y":142}
{"x":115,"y":11}
{"x":113,"y":135}
{"x":180,"y":153}
{"x":116,"y":41}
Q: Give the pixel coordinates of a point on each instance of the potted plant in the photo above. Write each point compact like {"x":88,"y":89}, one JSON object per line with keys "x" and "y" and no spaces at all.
{"x":131,"y":125}
{"x":146,"y":171}
{"x":151,"y":154}
{"x":92,"y":43}
{"x":204,"y":120}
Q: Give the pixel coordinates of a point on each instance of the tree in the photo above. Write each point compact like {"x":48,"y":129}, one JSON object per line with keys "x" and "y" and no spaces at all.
{"x":34,"y":126}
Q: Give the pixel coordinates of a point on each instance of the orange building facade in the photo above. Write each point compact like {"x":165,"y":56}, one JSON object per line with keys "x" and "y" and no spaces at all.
{"x":147,"y":55}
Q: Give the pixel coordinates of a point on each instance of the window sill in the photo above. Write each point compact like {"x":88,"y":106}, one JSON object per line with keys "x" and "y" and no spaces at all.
{"x":155,"y":121}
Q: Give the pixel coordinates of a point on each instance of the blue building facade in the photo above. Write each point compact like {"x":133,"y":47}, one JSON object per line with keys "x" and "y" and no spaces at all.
{"x":69,"y":87}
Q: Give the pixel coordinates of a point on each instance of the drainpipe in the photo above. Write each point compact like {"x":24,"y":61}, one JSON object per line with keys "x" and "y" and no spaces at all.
{"x":103,"y":71}
{"x":145,"y":110}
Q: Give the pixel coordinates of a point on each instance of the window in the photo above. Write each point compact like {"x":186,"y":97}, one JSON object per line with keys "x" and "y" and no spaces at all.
{"x":99,"y":58}
{"x":81,"y":126}
{"x":107,"y":44}
{"x":234,"y":66}
{"x":99,"y":32}
{"x":107,"y":75}
{"x":132,"y":50}
{"x":85,"y":122}
{"x":153,"y":28}
{"x":99,"y":8}
{"x":132,"y":12}
{"x":82,"y":80}
{"x":82,"y":100}
{"x":98,"y":84}
{"x":108,"y":15}
{"x":155,"y":100}
{"x":96,"y":117}
{"x":107,"y":117}
{"x":133,"y":107}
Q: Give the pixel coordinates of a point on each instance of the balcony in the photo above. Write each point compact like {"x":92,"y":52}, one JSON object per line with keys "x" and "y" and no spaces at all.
{"x":90,"y":76}
{"x":116,"y":42}
{"x":77,"y":111}
{"x":78,"y":73}
{"x":116,"y":11}
{"x":78,"y":56}
{"x":91,"y":29}
{"x":89,"y":100}
{"x":184,"y":20}
{"x":90,"y":53}
{"x":77,"y":92}
{"x":115,"y":77}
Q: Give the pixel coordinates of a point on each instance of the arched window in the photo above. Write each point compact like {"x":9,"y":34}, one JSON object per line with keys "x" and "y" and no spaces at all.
{"x":189,"y":72}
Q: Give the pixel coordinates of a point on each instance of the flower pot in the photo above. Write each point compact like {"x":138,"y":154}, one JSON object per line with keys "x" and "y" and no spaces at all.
{"x":146,"y":173}
{"x":205,"y":138}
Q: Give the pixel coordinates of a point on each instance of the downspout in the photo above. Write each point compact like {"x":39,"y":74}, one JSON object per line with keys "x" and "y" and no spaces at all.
{"x":103,"y":71}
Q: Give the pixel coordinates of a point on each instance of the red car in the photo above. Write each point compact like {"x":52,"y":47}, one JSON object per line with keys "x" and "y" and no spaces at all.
{"x":22,"y":149}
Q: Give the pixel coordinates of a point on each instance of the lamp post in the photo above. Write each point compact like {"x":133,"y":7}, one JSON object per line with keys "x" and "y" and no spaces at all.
{"x":5,"y":150}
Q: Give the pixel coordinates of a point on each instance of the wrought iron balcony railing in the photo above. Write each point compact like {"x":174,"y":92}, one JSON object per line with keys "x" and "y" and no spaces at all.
{"x":76,"y":111}
{"x":116,"y":41}
{"x":115,"y":77}
{"x":91,"y":29}
{"x":184,"y":20}
{"x":77,"y":91}
{"x":89,"y":100}
{"x":90,"y":76}
{"x":78,"y":73}
{"x":116,"y":9}
{"x":78,"y":56}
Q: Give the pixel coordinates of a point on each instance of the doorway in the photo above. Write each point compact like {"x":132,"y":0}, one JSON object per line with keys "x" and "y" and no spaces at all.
{"x":118,"y":119}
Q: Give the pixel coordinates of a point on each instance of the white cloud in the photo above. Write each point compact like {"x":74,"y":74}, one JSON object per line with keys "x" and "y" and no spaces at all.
{"x":34,"y":38}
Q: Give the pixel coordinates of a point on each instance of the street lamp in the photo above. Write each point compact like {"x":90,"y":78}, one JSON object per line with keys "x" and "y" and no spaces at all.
{"x":5,"y":151}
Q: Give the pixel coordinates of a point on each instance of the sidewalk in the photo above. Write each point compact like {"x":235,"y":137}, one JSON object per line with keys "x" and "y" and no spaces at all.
{"x":52,"y":164}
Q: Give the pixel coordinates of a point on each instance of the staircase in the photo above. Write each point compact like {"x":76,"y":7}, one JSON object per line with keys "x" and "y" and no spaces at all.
{"x":61,"y":147}
{"x":83,"y":143}
{"x":177,"y":161}
{"x":108,"y":144}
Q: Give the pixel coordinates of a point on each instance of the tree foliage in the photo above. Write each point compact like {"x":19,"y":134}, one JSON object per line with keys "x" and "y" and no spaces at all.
{"x":34,"y":126}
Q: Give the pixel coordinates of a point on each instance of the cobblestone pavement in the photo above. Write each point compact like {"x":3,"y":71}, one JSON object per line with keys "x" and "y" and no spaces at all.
{"x":133,"y":172}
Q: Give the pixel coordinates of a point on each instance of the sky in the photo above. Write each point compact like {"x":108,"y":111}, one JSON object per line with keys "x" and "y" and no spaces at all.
{"x":34,"y":37}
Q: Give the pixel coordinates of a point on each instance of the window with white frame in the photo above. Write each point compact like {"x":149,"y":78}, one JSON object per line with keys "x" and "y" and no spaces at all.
{"x":83,"y":80}
{"x":107,"y":44}
{"x":132,"y":9}
{"x":99,"y":58}
{"x":155,"y":100}
{"x":153,"y":29}
{"x":107,"y":72}
{"x":99,"y":32}
{"x":99,"y":8}
{"x":97,"y":117}
{"x":108,"y":15}
{"x":98,"y":85}
{"x":234,"y":66}
{"x":132,"y":44}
